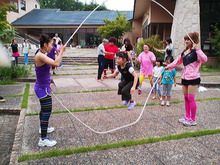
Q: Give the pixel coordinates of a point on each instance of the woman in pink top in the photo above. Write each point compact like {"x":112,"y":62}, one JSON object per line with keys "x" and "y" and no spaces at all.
{"x":146,"y":59}
{"x":191,"y":58}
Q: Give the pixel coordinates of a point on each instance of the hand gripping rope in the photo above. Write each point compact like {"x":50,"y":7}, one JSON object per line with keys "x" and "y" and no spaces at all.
{"x":142,"y":111}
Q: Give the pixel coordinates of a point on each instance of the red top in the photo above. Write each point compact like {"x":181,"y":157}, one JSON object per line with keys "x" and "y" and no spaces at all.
{"x":112,"y":49}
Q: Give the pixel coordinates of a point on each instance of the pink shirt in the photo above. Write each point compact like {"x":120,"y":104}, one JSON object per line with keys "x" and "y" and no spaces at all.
{"x":190,"y":71}
{"x":146,"y":63}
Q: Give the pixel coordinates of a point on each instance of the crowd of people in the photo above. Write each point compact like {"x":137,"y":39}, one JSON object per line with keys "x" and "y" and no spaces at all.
{"x":160,"y":72}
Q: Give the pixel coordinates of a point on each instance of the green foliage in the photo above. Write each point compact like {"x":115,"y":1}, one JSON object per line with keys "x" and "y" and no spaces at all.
{"x":115,"y":28}
{"x":92,"y":6}
{"x":25,"y":97}
{"x":216,"y":39}
{"x":69,"y":5}
{"x":209,"y":68}
{"x":6,"y":31}
{"x":10,"y":73}
{"x":153,"y":41}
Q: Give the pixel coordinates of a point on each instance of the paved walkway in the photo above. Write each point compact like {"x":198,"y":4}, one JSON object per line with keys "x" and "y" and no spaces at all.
{"x":156,"y":121}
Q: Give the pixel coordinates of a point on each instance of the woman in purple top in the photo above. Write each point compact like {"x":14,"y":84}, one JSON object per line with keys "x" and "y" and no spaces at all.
{"x":42,"y":86}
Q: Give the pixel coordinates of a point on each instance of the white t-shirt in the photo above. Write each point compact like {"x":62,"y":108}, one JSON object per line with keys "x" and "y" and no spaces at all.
{"x":57,"y":39}
{"x":157,"y":71}
{"x":101,"y":50}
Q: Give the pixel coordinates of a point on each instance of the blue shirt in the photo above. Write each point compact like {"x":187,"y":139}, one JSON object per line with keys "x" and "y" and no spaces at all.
{"x":168,"y":76}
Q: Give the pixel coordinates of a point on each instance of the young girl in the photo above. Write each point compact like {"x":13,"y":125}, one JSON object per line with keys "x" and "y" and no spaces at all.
{"x":146,"y":58}
{"x":15,"y":53}
{"x":167,"y":79}
{"x":192,"y":58}
{"x":128,"y":85}
{"x":156,"y":73}
{"x":25,"y":51}
{"x":42,"y":89}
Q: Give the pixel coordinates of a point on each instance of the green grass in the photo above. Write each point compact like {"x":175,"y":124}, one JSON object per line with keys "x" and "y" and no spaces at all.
{"x":7,"y":82}
{"x":208,"y":68}
{"x":25,"y":97}
{"x":69,"y":151}
{"x":18,"y":95}
{"x":117,"y":107}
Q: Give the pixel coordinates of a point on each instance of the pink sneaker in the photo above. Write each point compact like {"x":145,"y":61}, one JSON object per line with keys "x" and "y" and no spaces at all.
{"x":139,"y":91}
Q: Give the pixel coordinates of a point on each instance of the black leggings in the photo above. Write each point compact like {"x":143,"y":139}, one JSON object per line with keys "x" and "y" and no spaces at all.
{"x":46,"y":108}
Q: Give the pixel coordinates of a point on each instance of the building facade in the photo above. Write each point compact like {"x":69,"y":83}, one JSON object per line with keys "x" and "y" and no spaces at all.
{"x":22,"y":8}
{"x":193,"y":15}
{"x":51,"y":21}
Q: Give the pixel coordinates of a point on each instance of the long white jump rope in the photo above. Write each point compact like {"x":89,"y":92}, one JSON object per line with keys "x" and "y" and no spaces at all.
{"x":142,"y":111}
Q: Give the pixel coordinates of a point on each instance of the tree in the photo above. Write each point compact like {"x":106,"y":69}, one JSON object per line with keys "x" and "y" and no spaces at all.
{"x":115,"y":28}
{"x":92,"y":6}
{"x":69,"y":5}
{"x":6,"y":31}
{"x":215,"y":40}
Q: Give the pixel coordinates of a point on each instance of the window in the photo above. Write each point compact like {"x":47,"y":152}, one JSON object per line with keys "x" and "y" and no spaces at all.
{"x":23,"y":5}
{"x":35,"y":6}
{"x":15,"y":2}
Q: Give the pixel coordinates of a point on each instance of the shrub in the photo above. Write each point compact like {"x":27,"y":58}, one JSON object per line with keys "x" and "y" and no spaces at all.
{"x":7,"y":74}
{"x":216,"y":39}
{"x":153,"y":41}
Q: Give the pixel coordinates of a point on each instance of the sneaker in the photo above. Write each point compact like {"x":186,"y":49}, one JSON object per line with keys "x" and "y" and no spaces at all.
{"x":189,"y":122}
{"x":139,"y":91}
{"x":131,"y":105}
{"x":183,"y":119}
{"x":168,"y":103}
{"x":125,"y":102}
{"x":2,"y":99}
{"x":162,"y":103}
{"x":46,"y":142}
{"x":54,"y":73}
{"x":49,"y":129}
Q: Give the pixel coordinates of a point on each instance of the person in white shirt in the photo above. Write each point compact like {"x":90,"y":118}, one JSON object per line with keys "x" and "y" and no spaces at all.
{"x":168,"y":50}
{"x":156,"y":73}
{"x":101,"y":55}
{"x":57,"y":38}
{"x":25,"y":47}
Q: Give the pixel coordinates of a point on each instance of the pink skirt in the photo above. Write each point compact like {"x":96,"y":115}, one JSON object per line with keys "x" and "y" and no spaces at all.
{"x":16,"y":54}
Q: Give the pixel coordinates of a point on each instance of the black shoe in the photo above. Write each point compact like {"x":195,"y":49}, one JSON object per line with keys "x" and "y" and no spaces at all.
{"x":54,"y":73}
{"x":2,"y":99}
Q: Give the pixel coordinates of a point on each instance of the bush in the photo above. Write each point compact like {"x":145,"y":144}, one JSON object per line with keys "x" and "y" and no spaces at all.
{"x":153,"y":41}
{"x":216,"y":39}
{"x":7,"y":74}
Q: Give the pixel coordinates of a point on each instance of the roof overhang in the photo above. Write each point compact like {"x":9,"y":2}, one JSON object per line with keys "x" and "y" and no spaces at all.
{"x":140,"y":7}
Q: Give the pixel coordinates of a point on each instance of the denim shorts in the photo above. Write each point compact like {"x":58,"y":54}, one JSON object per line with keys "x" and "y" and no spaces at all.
{"x":167,"y":90}
{"x":42,"y":92}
